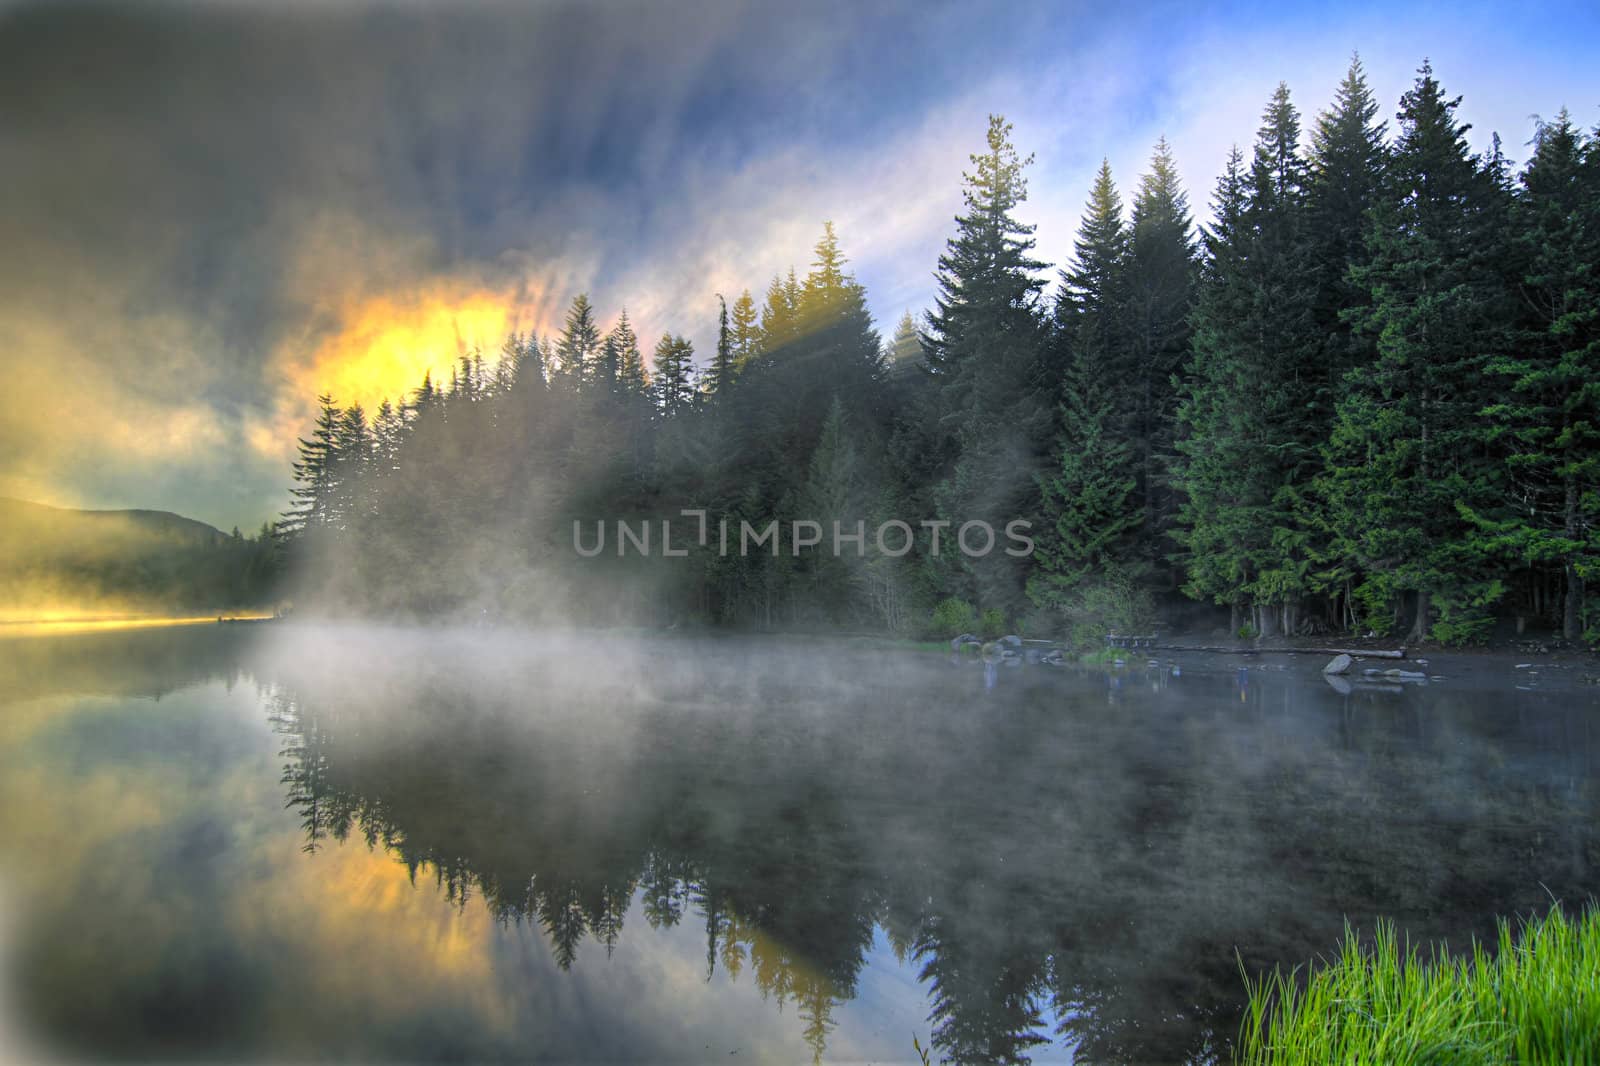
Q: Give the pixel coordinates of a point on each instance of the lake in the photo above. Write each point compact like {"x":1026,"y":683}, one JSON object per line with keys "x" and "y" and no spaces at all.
{"x":288,"y":843}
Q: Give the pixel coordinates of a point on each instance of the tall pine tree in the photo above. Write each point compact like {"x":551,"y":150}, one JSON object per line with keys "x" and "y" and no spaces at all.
{"x":1407,"y":459}
{"x":1549,"y":425}
{"x":985,"y":343}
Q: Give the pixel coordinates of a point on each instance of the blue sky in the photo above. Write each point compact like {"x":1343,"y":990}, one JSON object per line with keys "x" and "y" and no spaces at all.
{"x":209,"y":206}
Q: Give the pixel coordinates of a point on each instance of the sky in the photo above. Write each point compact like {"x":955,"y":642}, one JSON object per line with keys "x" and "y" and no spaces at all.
{"x":211,"y":212}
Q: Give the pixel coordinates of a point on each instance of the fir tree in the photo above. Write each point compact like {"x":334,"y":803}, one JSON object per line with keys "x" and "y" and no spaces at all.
{"x":905,"y":348}
{"x":1159,"y":293}
{"x":720,"y":378}
{"x":674,"y":375}
{"x":985,"y":344}
{"x":314,"y":474}
{"x":1091,"y":308}
{"x":1407,"y":460}
{"x":746,"y":330}
{"x":1248,"y":446}
{"x":1090,"y":507}
{"x":1549,"y":426}
{"x":580,"y":342}
{"x":1347,"y":164}
{"x":631,"y":371}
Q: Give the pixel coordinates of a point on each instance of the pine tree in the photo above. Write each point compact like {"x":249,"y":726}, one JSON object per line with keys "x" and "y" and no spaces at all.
{"x":1407,"y":459}
{"x":827,"y":275}
{"x":721,"y":375}
{"x":988,"y":284}
{"x":1089,"y":494}
{"x":608,"y":368}
{"x":314,"y":474}
{"x":1089,"y":497}
{"x":631,"y":371}
{"x":1215,"y":442}
{"x":1347,"y":164}
{"x":1549,"y":425}
{"x":353,"y":448}
{"x":1159,"y":296}
{"x":388,"y":433}
{"x":1091,"y":309}
{"x":905,"y":348}
{"x":1248,"y":448}
{"x":985,"y":344}
{"x":531,"y":368}
{"x":835,"y":491}
{"x":674,"y":375}
{"x":746,"y":330}
{"x":510,"y":360}
{"x":580,"y":342}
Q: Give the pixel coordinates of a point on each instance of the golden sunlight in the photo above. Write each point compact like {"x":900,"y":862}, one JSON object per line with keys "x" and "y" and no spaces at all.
{"x":386,"y":344}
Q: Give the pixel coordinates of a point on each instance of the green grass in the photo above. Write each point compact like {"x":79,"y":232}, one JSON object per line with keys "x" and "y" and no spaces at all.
{"x":1535,"y":999}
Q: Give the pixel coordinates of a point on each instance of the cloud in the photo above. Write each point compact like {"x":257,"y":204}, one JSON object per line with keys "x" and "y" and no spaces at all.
{"x":206,"y":207}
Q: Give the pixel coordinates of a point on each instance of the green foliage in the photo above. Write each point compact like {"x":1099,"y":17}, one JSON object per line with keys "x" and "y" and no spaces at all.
{"x":1111,"y":601}
{"x":953,"y":617}
{"x":1373,"y":396}
{"x":992,"y":623}
{"x":1464,"y":613}
{"x":1534,"y":999}
{"x":984,"y":346}
{"x":1406,"y":461}
{"x":1249,"y":429}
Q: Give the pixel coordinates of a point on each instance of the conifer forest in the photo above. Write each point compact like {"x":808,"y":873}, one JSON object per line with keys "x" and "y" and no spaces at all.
{"x":1355,"y":391}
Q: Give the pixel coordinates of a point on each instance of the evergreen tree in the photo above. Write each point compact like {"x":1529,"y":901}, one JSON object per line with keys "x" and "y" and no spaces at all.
{"x":723,"y":367}
{"x":1089,"y":497}
{"x":985,"y":344}
{"x":1159,"y":295}
{"x":1091,"y":309}
{"x":1090,"y":506}
{"x":1407,"y":459}
{"x":1248,"y":444}
{"x":580,"y":342}
{"x":827,"y":276}
{"x":835,"y":491}
{"x":314,"y":474}
{"x":1347,"y":164}
{"x":905,"y":348}
{"x":674,"y":375}
{"x":1549,"y":425}
{"x":746,"y":330}
{"x":608,"y":372}
{"x":631,"y":371}
{"x":531,"y":369}
{"x":510,"y":361}
{"x":351,"y":495}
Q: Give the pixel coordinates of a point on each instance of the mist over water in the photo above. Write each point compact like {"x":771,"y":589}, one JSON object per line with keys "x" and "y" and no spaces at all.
{"x":274,"y":843}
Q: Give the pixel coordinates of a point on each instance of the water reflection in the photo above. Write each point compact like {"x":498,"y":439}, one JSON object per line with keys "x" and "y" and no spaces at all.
{"x":1063,"y":860}
{"x":1059,"y":872}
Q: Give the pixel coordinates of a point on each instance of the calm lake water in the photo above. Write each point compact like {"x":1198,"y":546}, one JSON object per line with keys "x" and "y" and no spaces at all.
{"x":288,"y":844}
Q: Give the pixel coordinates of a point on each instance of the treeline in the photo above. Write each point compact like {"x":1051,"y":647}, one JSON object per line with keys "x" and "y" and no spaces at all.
{"x":112,"y":562}
{"x":1361,"y":398}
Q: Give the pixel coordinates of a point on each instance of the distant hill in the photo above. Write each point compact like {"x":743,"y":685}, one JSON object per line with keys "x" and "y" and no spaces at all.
{"x":54,"y":558}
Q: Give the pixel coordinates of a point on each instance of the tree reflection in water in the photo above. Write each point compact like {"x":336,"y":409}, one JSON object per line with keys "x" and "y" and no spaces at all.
{"x":1068,"y":859}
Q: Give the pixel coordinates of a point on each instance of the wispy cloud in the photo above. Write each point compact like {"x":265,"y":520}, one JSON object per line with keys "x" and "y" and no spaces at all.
{"x":205,"y":207}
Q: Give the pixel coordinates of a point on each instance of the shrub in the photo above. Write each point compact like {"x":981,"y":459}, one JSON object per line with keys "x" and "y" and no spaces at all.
{"x":1113,"y":601}
{"x":992,"y":624}
{"x":953,"y":616}
{"x":1465,"y":618}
